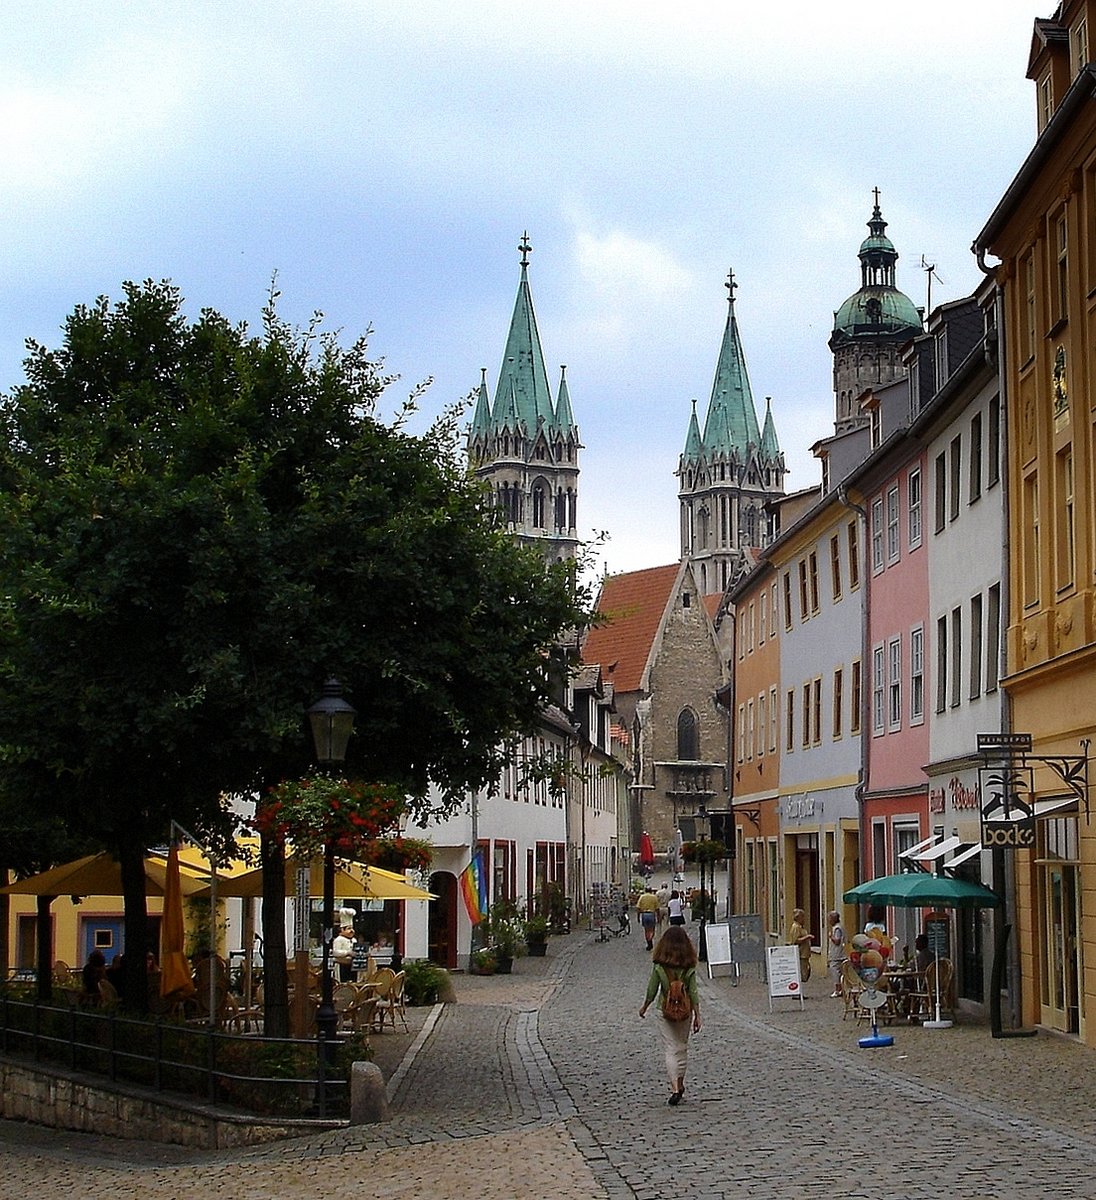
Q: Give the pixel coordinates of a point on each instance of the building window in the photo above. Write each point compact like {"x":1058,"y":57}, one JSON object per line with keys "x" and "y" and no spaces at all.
{"x":750,"y":735}
{"x":538,"y":507}
{"x":956,"y":456}
{"x":762,"y":721}
{"x":763,"y":632}
{"x":941,"y":483}
{"x":913,"y":499}
{"x":741,"y":733}
{"x":813,"y":559}
{"x":806,"y":715}
{"x":854,"y":556}
{"x":774,"y":885}
{"x":1065,"y":548}
{"x":877,"y":535}
{"x":878,"y":689}
{"x":789,"y":720}
{"x":855,"y":697}
{"x":956,"y":640}
{"x":1061,"y":265}
{"x":892,"y":525}
{"x":750,"y":629}
{"x":1027,"y":314}
{"x":1031,"y":540}
{"x":1078,"y":46}
{"x":787,"y":600}
{"x":816,"y":711}
{"x":773,"y":720}
{"x":917,"y":675}
{"x":1044,"y":101}
{"x":688,"y":736}
{"x":993,"y":637}
{"x":773,"y":610}
{"x":976,"y":646}
{"x":838,"y":702}
{"x":941,"y":664}
{"x":804,"y":604}
{"x":993,"y":449}
{"x":975,"y":482}
{"x":894,"y":683}
{"x":835,"y":566}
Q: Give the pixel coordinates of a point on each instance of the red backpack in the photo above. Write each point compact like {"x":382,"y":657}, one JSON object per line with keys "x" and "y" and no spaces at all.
{"x":676,"y":1005}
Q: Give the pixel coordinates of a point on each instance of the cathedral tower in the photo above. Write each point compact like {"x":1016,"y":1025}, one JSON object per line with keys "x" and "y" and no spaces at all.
{"x":525,"y":446}
{"x":870,"y":328}
{"x":727,"y":473}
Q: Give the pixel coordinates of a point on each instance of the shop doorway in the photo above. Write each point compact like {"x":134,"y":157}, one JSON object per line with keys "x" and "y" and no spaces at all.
{"x":442,"y":920}
{"x":1060,"y":902}
{"x":807,"y":894}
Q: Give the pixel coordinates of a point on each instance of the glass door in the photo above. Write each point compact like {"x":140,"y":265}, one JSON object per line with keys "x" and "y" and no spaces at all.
{"x":1061,"y":926}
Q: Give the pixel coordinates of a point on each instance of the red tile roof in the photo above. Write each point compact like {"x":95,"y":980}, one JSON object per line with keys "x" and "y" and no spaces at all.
{"x":633,"y":604}
{"x":712,"y":603}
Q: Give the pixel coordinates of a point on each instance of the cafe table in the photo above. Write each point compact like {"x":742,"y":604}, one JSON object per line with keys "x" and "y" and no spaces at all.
{"x":902,"y":984}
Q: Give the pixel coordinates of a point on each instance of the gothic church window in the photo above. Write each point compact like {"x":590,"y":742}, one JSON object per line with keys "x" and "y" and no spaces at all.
{"x":688,"y":736}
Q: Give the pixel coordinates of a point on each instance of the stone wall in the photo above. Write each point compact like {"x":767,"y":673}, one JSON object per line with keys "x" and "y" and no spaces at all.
{"x":64,"y":1100}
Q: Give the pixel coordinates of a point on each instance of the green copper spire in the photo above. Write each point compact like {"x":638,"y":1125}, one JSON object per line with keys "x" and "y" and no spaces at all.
{"x":691,"y":452}
{"x":731,"y":424}
{"x":522,"y":391}
{"x":481,"y":419}
{"x":770,"y":447}
{"x":565,"y":419}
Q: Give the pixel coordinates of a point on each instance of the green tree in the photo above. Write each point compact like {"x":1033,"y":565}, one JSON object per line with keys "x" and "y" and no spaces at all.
{"x":197,"y":526}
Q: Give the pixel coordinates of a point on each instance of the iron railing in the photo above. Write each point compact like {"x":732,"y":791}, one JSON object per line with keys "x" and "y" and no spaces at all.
{"x":285,"y":1077}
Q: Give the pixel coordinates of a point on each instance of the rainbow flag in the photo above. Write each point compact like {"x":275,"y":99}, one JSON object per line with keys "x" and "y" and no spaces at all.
{"x":473,"y":887}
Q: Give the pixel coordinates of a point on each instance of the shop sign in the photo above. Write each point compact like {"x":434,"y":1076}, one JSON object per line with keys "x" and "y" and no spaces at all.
{"x":962,"y":796}
{"x":1008,"y":807}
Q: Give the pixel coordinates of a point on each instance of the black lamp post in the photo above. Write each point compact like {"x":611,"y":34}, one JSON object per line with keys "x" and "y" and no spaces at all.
{"x":332,"y":720}
{"x":702,"y":837}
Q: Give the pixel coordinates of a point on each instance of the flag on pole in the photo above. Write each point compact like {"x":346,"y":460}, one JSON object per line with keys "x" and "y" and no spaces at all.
{"x":473,"y":887}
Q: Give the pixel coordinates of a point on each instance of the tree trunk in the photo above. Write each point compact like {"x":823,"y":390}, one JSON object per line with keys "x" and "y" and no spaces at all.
{"x":135,"y":983}
{"x":5,"y":924}
{"x":275,"y":977}
{"x":45,"y":949}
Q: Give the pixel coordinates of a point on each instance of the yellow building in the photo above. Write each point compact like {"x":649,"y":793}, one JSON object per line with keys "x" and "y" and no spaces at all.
{"x":1044,"y":233}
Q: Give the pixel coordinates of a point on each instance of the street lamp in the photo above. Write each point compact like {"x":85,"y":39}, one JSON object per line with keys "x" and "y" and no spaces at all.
{"x":702,"y":836}
{"x":332,"y":720}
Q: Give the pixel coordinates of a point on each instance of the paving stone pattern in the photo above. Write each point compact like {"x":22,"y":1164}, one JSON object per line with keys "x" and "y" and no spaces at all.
{"x":547,"y":1084}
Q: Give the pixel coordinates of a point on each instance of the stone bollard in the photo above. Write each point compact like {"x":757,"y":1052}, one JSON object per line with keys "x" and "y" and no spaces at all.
{"x":368,"y":1097}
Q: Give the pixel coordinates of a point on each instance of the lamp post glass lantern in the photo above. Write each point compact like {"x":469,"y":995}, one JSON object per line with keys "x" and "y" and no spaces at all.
{"x":332,"y":720}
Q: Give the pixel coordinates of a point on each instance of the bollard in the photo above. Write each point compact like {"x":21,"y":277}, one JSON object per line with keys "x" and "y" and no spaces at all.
{"x":368,"y":1097}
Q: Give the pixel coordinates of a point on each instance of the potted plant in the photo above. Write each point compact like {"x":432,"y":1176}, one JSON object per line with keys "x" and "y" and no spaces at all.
{"x":484,"y":962}
{"x":505,"y":930}
{"x":536,"y":936}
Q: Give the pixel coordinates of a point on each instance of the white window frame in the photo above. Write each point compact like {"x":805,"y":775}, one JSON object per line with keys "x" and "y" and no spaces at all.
{"x":914,"y":492}
{"x":877,"y":535}
{"x":878,"y":689}
{"x":894,"y":684}
{"x":917,"y":675}
{"x":893,"y":541}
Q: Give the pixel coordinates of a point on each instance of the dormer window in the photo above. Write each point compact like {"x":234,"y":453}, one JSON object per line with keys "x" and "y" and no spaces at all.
{"x":1044,"y":94}
{"x":1078,"y":46}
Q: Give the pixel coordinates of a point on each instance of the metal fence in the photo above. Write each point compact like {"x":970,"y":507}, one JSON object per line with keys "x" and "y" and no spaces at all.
{"x":283,"y":1077}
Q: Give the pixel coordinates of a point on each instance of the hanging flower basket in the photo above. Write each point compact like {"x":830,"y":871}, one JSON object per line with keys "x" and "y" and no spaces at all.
{"x":399,"y":854}
{"x":350,"y":814}
{"x":707,"y":852}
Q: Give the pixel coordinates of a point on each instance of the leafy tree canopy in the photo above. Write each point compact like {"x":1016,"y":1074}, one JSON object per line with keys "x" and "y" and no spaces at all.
{"x":197,"y":526}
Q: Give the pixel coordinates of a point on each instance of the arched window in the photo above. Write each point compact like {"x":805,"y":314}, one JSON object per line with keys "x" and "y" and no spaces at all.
{"x":538,"y":506}
{"x":688,"y":736}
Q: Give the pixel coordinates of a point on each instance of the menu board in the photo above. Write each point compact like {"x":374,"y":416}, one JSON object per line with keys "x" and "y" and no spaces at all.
{"x":784,"y":978}
{"x":718,"y":940}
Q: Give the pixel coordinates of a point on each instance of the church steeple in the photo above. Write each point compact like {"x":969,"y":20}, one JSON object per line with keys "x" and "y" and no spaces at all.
{"x":525,"y":448}
{"x":727,"y":474}
{"x":731,"y":423}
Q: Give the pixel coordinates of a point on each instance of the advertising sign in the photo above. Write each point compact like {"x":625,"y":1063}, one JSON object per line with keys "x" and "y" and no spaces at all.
{"x":783,"y":962}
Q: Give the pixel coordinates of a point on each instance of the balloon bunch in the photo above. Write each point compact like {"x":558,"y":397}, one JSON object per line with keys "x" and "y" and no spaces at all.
{"x":868,"y":953}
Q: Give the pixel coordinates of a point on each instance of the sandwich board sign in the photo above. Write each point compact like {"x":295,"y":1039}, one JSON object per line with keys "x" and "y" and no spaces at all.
{"x":784,"y":981}
{"x":717,"y":938}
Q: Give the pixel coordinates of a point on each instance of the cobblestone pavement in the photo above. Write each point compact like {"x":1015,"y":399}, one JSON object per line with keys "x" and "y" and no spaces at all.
{"x":547,"y":1084}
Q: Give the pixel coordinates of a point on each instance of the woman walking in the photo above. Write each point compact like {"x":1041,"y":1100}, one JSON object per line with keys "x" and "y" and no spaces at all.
{"x":674,"y":962}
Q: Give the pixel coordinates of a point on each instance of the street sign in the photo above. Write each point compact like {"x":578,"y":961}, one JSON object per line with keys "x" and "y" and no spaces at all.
{"x":1004,"y":743}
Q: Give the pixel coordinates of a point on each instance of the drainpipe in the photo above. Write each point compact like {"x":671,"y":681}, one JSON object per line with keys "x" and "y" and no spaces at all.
{"x":852,"y":506}
{"x":1006,"y":951}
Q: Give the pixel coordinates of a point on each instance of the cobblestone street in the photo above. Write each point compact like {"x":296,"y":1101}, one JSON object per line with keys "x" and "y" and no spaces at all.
{"x":547,"y":1084}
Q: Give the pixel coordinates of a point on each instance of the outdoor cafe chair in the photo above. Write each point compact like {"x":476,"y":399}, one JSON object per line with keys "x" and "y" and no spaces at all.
{"x":392,"y":1004}
{"x":108,"y":995}
{"x":382,"y":984}
{"x":939,"y":970}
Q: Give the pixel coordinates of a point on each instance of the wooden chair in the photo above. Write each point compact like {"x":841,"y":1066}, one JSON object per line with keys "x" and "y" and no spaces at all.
{"x":392,"y":1004}
{"x":62,"y":973}
{"x":382,"y":986}
{"x":851,"y":987}
{"x":923,"y":1001}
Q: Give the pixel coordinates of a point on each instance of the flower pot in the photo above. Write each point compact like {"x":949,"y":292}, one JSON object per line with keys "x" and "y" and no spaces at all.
{"x":536,"y":949}
{"x":504,"y":965}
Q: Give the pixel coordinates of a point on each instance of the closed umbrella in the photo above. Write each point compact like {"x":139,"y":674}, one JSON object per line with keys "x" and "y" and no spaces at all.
{"x":646,"y":853}
{"x":175,"y":981}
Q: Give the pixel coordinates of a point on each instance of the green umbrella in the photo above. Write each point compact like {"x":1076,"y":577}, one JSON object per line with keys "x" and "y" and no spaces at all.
{"x":920,"y":889}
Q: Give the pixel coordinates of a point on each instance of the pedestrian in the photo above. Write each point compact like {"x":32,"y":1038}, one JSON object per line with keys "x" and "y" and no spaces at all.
{"x":675,"y":906}
{"x":647,"y":907}
{"x":94,"y":969}
{"x":836,"y":957}
{"x":674,"y":959}
{"x":663,"y":895}
{"x":800,"y":936}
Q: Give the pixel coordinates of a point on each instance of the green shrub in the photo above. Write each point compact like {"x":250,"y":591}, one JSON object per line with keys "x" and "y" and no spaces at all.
{"x":423,"y":981}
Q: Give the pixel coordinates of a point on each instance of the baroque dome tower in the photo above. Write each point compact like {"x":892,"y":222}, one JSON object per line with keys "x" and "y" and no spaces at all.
{"x":871,"y":326}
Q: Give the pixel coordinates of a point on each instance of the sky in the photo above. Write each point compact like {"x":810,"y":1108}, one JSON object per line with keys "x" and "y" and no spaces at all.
{"x":383,"y":158}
